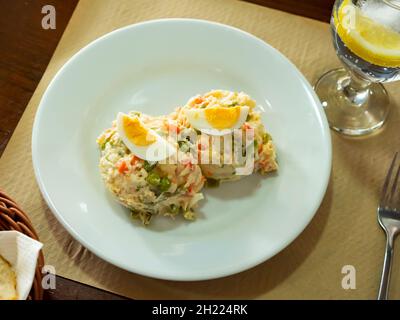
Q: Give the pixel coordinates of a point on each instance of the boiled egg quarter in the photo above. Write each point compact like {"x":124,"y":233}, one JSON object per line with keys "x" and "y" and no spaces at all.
{"x":143,"y":142}
{"x":217,"y":119}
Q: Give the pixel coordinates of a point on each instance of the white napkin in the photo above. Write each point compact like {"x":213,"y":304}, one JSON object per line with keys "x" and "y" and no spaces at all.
{"x":22,"y":253}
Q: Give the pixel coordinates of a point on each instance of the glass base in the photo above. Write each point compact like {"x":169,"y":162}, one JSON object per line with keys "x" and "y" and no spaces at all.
{"x":348,"y":112}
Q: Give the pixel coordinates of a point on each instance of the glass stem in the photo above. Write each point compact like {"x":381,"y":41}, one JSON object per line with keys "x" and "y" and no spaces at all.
{"x":357,"y":89}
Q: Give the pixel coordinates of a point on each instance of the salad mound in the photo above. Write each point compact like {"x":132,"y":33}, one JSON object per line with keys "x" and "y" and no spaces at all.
{"x":218,"y":136}
{"x":149,"y":188}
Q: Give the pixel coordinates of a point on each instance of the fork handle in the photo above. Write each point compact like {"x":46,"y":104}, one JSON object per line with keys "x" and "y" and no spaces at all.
{"x":387,"y":266}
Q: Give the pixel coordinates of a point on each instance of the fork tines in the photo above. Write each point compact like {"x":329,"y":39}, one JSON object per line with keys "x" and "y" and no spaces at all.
{"x":390,"y":196}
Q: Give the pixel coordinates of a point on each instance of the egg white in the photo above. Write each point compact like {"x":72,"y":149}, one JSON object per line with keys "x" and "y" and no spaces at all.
{"x":156,"y":151}
{"x":197,"y":119}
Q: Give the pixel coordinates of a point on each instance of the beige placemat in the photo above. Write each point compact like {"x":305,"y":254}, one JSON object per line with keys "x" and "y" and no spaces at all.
{"x":344,"y":231}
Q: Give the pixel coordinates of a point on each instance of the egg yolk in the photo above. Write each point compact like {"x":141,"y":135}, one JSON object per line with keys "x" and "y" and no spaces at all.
{"x":222,"y":118}
{"x":136,"y":132}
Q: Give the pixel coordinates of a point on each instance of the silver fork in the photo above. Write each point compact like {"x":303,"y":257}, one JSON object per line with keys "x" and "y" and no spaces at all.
{"x":389,"y":219}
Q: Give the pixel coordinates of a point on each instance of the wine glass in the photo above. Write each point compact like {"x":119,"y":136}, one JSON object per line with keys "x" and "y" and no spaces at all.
{"x":366,"y":37}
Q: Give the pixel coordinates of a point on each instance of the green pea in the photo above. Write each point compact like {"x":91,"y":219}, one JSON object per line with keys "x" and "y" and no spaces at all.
{"x":266,"y":138}
{"x":189,"y":215}
{"x":165,"y":184}
{"x":154,"y":179}
{"x":148,"y":166}
{"x":174,"y":209}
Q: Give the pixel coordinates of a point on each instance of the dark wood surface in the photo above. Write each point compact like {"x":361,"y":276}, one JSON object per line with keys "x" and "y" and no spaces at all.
{"x":67,"y":289}
{"x":25,"y":51}
{"x":316,"y":9}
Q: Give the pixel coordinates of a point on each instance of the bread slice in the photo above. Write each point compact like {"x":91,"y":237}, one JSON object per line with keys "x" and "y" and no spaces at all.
{"x":8,"y":281}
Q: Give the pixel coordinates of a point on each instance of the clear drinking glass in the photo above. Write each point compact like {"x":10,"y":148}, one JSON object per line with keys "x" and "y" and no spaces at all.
{"x":366,"y":37}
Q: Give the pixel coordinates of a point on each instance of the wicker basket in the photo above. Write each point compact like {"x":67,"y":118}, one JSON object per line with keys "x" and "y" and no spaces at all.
{"x":13,"y":218}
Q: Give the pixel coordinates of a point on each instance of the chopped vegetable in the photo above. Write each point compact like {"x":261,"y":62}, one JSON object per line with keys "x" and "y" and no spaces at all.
{"x":105,"y":138}
{"x":255,"y":144}
{"x":189,"y":165}
{"x":153,"y":179}
{"x":148,"y":166}
{"x":171,"y":127}
{"x":198,"y":100}
{"x":134,"y":159}
{"x":103,"y":145}
{"x":189,"y":215}
{"x":164,"y":184}
{"x":246,"y":126}
{"x":122,"y":168}
{"x":266,"y":138}
{"x":174,"y":209}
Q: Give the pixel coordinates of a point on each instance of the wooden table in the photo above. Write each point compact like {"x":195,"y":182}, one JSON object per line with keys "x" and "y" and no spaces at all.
{"x":25,"y":51}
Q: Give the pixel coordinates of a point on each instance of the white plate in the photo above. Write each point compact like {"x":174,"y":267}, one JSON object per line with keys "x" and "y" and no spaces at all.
{"x":153,"y":67}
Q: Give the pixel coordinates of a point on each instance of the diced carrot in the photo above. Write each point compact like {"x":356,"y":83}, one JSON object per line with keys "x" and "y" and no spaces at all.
{"x":172,"y":127}
{"x":198,"y":100}
{"x":246,"y":126}
{"x":134,"y":160}
{"x":190,"y":165}
{"x":187,"y":162}
{"x":122,"y":167}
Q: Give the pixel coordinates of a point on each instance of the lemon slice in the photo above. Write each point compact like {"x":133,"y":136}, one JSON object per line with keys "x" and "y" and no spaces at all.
{"x":371,"y":41}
